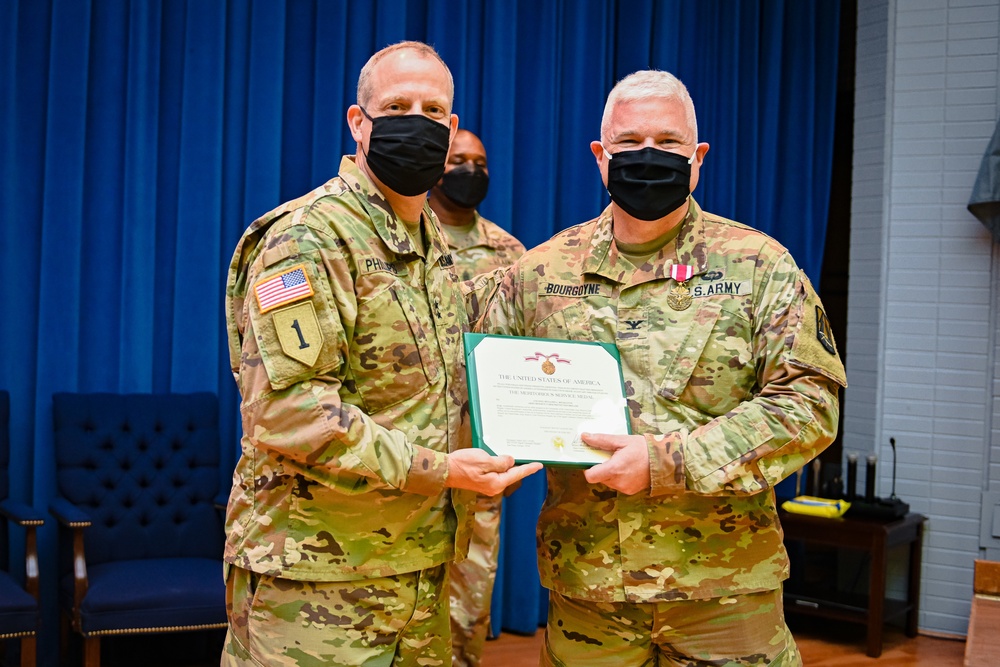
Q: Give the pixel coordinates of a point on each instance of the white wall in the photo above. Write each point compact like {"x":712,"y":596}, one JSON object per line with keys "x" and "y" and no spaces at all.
{"x":921,"y":325}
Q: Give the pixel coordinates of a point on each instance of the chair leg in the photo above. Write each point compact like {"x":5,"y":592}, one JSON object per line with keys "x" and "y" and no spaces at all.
{"x":91,"y":652}
{"x":64,"y":638}
{"x":28,"y":651}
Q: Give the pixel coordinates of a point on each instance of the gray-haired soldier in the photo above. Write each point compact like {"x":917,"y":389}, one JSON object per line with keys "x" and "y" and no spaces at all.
{"x":670,"y":552}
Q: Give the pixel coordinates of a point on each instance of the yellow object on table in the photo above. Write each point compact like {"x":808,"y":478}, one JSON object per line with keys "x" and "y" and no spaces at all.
{"x":816,"y":506}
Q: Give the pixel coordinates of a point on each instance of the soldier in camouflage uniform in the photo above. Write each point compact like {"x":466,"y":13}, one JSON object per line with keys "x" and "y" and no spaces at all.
{"x":479,"y":246}
{"x":671,"y":553}
{"x":345,"y":320}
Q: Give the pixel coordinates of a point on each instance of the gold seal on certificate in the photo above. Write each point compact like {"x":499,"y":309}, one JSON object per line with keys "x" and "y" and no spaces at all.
{"x":532,"y":398}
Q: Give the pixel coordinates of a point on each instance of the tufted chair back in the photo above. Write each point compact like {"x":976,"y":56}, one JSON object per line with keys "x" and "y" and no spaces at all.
{"x":145,"y":469}
{"x":137,"y":477}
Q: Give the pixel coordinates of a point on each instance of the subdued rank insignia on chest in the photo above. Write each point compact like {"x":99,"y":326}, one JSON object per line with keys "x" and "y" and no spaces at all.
{"x":286,"y":287}
{"x":632,"y":325}
{"x":555,"y":289}
{"x":446,"y":260}
{"x":824,"y":332}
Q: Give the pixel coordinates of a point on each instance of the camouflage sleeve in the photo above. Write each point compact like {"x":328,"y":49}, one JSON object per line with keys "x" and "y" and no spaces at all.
{"x":478,"y":292}
{"x":293,"y":372}
{"x":503,"y":310}
{"x":794,"y":415}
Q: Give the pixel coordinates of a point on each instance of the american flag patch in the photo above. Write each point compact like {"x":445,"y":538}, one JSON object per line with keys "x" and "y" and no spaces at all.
{"x":283,"y":288}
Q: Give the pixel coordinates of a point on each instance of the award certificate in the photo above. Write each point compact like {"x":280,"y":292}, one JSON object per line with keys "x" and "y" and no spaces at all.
{"x":531,"y":398}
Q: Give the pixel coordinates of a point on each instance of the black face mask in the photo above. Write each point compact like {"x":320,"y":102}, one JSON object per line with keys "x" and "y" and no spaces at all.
{"x":649,"y":183}
{"x":407,"y":153}
{"x":466,"y":187}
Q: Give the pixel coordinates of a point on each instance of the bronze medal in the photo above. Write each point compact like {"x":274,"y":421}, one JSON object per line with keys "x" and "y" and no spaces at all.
{"x":679,"y":297}
{"x":548,"y":367}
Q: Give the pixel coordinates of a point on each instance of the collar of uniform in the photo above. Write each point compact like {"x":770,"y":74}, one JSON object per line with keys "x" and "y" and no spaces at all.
{"x":390,"y":229}
{"x":690,"y":249}
{"x":603,"y":257}
{"x":476,"y":236}
{"x":434,"y":238}
{"x":690,"y":241}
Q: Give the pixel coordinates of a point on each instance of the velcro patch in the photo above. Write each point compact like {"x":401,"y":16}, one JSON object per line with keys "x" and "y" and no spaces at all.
{"x":556,"y":289}
{"x":299,"y":333}
{"x":286,"y":287}
{"x":727,"y":287}
{"x":376,"y":265}
{"x":824,"y":332}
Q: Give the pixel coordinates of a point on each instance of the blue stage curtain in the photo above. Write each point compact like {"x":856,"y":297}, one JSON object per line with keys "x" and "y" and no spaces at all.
{"x":139,"y":138}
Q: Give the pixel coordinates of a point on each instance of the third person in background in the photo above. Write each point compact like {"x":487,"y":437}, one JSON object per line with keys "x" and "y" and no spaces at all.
{"x":479,"y":246}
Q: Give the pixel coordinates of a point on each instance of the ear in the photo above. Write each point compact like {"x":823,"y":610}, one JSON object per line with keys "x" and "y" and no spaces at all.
{"x":598,"y":150}
{"x":700,"y":152}
{"x":699,"y":157}
{"x":454,"y":128}
{"x":354,"y":120}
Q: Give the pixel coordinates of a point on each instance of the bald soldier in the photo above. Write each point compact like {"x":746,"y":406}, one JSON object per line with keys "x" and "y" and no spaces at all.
{"x":479,"y":246}
{"x":670,"y":552}
{"x":345,"y":320}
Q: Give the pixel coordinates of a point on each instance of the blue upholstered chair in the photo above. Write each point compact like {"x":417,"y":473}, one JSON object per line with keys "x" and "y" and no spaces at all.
{"x":18,"y":604}
{"x":141,"y":537}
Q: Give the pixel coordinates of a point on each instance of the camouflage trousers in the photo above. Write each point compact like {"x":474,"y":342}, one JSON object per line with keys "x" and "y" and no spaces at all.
{"x":720,"y":632}
{"x":472,"y":585}
{"x":399,"y":621}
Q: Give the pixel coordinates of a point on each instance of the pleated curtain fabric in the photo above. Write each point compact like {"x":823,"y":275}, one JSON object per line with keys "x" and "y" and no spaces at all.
{"x":139,"y":138}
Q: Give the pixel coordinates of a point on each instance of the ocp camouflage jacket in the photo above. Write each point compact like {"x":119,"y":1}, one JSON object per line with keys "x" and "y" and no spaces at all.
{"x":345,"y":341}
{"x":733,"y":394}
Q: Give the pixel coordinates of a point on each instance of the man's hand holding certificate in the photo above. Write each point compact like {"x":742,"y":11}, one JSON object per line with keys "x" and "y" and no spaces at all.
{"x":534,"y":398}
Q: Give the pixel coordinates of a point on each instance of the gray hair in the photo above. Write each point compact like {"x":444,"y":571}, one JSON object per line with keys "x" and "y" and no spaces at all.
{"x":645,"y":84}
{"x":425,"y":50}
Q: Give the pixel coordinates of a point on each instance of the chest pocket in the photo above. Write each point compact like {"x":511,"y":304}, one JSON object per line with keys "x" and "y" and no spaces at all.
{"x":707,"y":358}
{"x":390,"y":356}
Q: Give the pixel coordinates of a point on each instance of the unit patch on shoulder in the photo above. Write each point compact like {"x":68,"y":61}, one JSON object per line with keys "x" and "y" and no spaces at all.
{"x":824,"y":332}
{"x":299,"y":333}
{"x":287,"y":286}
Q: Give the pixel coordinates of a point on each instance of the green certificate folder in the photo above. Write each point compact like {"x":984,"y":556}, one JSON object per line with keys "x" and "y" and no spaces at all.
{"x":531,"y":398}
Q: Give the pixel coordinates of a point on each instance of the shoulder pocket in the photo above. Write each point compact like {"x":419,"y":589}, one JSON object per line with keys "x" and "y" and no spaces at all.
{"x":813,"y":345}
{"x":298,"y":339}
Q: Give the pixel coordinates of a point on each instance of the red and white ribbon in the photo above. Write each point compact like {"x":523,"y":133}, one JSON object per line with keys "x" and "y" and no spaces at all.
{"x":681,"y":272}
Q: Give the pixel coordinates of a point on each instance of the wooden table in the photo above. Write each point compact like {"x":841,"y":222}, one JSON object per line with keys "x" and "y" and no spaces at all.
{"x":874,"y":537}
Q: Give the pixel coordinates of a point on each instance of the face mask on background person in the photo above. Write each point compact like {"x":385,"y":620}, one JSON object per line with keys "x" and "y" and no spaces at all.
{"x":466,"y":186}
{"x":648,"y":183}
{"x":407,"y":153}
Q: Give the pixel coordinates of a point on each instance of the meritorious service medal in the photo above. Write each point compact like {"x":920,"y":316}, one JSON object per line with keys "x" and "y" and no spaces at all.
{"x":679,"y":297}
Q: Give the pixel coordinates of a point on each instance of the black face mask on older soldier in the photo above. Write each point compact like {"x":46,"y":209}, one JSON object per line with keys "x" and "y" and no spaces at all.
{"x":407,"y":153}
{"x":465,"y":186}
{"x":649,"y":183}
